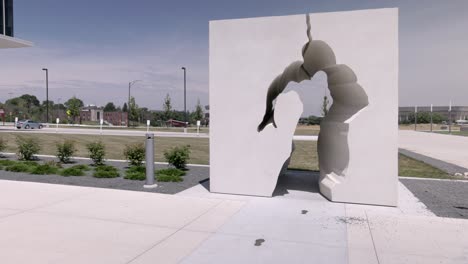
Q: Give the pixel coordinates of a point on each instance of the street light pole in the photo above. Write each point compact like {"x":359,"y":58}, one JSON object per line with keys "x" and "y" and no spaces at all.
{"x":185,"y":95}
{"x":47,"y":94}
{"x":450,"y":117}
{"x":130,"y":84}
{"x":431,"y":118}
{"x":415,"y":118}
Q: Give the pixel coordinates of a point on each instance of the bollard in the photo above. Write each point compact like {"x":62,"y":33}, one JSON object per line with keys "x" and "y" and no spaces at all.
{"x":150,"y":161}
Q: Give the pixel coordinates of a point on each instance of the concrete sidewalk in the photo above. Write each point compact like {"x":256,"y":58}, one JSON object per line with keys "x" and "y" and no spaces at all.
{"x":448,"y":148}
{"x":43,"y":223}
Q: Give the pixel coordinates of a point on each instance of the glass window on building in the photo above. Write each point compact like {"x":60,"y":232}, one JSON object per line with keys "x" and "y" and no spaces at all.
{"x":9,"y":18}
{"x":2,"y":19}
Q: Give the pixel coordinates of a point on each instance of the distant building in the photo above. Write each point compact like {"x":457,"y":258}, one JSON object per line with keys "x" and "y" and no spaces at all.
{"x":175,"y":123}
{"x":457,"y":113}
{"x":116,"y":118}
{"x":92,"y":113}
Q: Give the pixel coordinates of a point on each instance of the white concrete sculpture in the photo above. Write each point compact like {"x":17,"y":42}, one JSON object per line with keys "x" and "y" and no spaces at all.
{"x":253,"y":60}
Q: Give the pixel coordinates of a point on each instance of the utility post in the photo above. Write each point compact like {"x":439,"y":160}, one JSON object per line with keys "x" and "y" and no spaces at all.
{"x":431,"y":117}
{"x":47,"y":94}
{"x":415,"y":117}
{"x":185,"y":97}
{"x":128,"y":103}
{"x":450,"y":117}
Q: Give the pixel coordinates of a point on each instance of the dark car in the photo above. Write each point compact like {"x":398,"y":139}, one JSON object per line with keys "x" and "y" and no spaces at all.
{"x":28,"y":124}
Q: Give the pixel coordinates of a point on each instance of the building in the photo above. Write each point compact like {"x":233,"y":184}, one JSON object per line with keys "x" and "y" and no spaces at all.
{"x":116,"y":118}
{"x":6,"y":22}
{"x":7,"y":29}
{"x":457,"y":113}
{"x":91,"y":113}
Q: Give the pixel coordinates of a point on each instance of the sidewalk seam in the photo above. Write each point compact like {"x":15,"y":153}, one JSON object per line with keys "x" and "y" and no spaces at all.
{"x":372,"y":237}
{"x":159,"y":242}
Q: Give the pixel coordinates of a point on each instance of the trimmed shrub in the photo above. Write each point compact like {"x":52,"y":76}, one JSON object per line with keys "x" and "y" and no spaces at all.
{"x":76,"y":170}
{"x":178,"y":156}
{"x":45,"y":169}
{"x":135,"y":154}
{"x":169,"y":178}
{"x":21,"y":167}
{"x":7,"y":163}
{"x":82,"y":167}
{"x":106,"y":171}
{"x":27,"y":147}
{"x":97,"y":152}
{"x":65,"y":150}
{"x":137,"y":173}
{"x":30,"y":163}
{"x":170,"y":175}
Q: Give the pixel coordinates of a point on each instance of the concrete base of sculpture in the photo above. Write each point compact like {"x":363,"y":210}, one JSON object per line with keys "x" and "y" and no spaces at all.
{"x":253,"y":60}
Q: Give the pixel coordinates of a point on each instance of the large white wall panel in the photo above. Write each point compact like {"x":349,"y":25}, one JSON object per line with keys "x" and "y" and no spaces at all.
{"x":252,"y":60}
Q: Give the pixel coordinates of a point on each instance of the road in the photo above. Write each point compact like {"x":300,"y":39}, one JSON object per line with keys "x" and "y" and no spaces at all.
{"x":123,"y":132}
{"x":448,"y":148}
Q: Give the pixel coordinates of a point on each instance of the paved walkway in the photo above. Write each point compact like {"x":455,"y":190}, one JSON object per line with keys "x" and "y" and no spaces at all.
{"x":441,"y":165}
{"x":448,"y":148}
{"x":44,"y":223}
{"x":446,"y":198}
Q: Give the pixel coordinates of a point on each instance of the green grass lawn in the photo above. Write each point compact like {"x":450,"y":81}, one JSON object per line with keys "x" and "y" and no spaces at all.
{"x":304,"y":157}
{"x":114,"y":145}
{"x":303,"y":130}
{"x":191,"y":129}
{"x":410,"y":167}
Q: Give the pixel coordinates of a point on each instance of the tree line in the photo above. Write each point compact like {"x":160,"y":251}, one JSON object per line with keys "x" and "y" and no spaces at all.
{"x":28,"y":106}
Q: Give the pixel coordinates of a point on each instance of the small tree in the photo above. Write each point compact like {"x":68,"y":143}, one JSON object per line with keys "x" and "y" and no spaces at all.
{"x":134,"y":112}
{"x":65,"y":151}
{"x":167,"y":107}
{"x":27,"y":148}
{"x":110,"y":107}
{"x":125,"y":108}
{"x":73,"y":107}
{"x":325,"y":103}
{"x":198,"y":113}
{"x":178,"y":156}
{"x":97,"y":152}
{"x":135,"y":154}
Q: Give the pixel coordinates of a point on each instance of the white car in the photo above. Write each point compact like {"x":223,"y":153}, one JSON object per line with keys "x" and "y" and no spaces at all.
{"x":28,"y":124}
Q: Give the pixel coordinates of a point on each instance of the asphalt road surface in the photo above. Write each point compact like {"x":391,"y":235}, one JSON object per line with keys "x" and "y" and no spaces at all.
{"x":121,"y":132}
